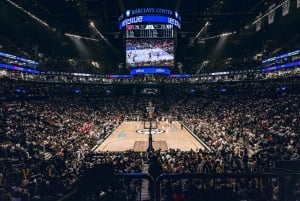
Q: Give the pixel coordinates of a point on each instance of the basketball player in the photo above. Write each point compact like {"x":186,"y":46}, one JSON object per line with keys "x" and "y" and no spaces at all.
{"x":129,"y":54}
{"x":134,"y":56}
{"x":150,"y":55}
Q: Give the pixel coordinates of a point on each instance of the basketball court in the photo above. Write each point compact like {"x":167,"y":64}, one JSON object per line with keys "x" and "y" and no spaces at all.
{"x":143,"y":56}
{"x":132,"y":135}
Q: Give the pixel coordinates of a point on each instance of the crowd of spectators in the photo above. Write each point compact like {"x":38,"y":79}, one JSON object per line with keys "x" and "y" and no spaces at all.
{"x":273,"y":48}
{"x":74,"y":65}
{"x":54,"y":63}
{"x":48,"y":135}
{"x":9,"y":47}
{"x":226,"y":64}
{"x":261,"y":123}
{"x":44,"y":141}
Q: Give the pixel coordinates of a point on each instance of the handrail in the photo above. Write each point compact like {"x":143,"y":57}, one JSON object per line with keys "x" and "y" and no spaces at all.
{"x":286,"y":181}
{"x":72,"y":195}
{"x":68,"y":195}
{"x":217,"y":176}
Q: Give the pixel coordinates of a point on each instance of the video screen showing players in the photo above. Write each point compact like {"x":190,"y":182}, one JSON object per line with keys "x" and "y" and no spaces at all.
{"x":149,"y":53}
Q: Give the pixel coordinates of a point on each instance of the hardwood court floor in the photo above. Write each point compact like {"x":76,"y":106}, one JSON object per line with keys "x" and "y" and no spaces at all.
{"x":125,"y":137}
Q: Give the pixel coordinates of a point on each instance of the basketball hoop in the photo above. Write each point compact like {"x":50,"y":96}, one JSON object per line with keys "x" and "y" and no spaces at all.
{"x":150,"y":111}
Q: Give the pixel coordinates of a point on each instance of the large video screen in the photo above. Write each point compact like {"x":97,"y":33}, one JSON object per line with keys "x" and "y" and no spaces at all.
{"x":149,"y":53}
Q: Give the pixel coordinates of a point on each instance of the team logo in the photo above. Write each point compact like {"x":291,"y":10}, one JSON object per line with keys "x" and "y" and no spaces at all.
{"x":153,"y":131}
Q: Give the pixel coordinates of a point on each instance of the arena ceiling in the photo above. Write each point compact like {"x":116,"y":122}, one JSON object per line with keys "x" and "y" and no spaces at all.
{"x":74,"y":16}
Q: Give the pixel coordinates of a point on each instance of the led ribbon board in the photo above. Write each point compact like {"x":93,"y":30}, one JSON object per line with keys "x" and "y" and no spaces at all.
{"x":281,"y":56}
{"x":17,"y":68}
{"x":151,"y":70}
{"x":282,"y":66}
{"x":10,"y":56}
{"x":179,"y":76}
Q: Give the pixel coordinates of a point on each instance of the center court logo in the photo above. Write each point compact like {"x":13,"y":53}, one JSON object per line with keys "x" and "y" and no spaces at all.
{"x":153,"y":131}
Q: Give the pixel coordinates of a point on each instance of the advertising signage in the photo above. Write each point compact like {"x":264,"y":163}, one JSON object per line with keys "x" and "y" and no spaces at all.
{"x":149,"y":11}
{"x":149,"y":19}
{"x":149,"y":15}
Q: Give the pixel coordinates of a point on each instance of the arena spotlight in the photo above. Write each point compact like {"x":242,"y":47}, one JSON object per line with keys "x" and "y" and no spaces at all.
{"x":223,"y":90}
{"x":97,"y":31}
{"x":201,"y":30}
{"x":77,"y":91}
{"x":283,"y":88}
{"x":20,"y":91}
{"x":218,"y":36}
{"x":227,"y":33}
{"x":74,"y":36}
{"x":108,"y":92}
{"x":127,"y":13}
{"x":92,"y":24}
{"x":31,"y":15}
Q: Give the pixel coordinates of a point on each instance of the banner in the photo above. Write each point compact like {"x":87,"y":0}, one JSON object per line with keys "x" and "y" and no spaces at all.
{"x":271,"y":14}
{"x":259,"y":22}
{"x":258,"y":25}
{"x":285,"y":7}
{"x":298,"y":3}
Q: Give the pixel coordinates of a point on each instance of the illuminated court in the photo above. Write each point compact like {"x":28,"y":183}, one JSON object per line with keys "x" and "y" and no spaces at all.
{"x":132,"y":135}
{"x":143,"y":55}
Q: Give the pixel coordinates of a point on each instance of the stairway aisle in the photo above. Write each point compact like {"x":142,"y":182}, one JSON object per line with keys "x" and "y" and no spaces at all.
{"x":145,"y":194}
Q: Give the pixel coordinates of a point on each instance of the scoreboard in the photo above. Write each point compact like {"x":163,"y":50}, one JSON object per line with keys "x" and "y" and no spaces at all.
{"x":150,"y":31}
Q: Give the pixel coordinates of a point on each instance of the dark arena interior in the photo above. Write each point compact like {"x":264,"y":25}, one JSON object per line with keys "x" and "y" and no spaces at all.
{"x":146,"y":100}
